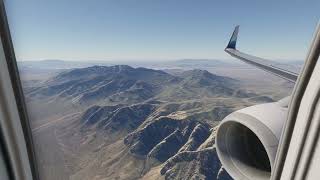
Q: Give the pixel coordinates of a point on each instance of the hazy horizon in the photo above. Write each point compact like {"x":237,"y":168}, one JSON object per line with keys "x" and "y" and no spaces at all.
{"x":148,"y":60}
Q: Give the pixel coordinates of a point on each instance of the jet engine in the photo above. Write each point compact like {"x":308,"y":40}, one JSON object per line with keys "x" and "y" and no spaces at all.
{"x":247,"y":140}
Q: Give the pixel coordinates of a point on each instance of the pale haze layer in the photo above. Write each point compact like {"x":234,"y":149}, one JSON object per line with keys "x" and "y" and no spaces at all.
{"x":159,"y":29}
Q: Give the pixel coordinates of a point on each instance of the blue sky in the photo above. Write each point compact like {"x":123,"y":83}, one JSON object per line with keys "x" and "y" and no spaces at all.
{"x":159,"y":29}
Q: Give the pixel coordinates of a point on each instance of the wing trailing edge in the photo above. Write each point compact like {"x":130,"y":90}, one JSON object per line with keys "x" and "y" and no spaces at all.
{"x":261,"y":63}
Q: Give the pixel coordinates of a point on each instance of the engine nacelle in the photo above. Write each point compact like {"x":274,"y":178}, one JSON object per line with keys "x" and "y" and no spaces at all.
{"x":247,"y":140}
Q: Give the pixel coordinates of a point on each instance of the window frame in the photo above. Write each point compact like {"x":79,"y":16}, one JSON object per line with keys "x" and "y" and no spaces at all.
{"x":294,"y":107}
{"x":16,"y":132}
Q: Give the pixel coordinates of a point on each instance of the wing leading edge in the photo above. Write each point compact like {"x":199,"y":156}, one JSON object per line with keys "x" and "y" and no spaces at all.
{"x":261,"y":63}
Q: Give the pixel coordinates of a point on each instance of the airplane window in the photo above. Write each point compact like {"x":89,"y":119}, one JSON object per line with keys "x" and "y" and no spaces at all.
{"x":145,"y":90}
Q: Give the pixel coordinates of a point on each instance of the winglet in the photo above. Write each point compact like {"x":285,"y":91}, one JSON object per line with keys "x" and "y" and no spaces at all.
{"x":263,"y":64}
{"x":233,"y":40}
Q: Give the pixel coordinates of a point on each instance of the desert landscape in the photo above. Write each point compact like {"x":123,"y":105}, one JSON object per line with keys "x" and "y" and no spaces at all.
{"x":140,"y":120}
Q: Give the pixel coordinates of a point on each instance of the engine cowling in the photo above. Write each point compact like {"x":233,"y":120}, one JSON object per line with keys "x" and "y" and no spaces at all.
{"x":247,"y":140}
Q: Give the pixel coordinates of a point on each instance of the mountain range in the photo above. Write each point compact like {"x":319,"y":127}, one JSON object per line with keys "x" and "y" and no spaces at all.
{"x":134,"y":123}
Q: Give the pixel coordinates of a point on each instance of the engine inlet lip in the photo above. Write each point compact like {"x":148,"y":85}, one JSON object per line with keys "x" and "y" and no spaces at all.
{"x":261,"y":131}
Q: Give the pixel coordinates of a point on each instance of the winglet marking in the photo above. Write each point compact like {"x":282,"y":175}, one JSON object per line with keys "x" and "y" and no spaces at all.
{"x":233,"y":40}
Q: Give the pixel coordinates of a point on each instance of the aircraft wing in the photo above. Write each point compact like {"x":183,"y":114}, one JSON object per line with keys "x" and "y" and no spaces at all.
{"x":266,"y":65}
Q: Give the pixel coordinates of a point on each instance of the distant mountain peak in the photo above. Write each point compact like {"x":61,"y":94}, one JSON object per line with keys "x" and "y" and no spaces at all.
{"x":199,"y":77}
{"x":199,"y":72}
